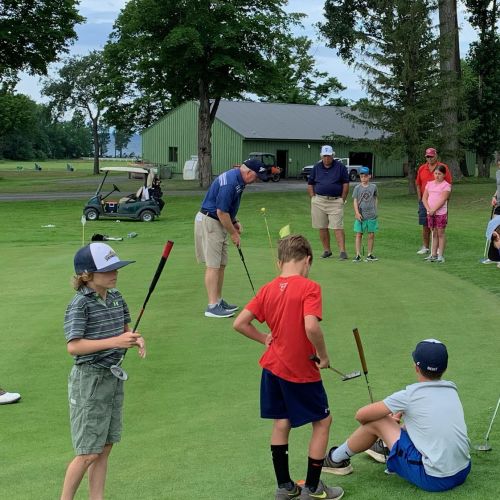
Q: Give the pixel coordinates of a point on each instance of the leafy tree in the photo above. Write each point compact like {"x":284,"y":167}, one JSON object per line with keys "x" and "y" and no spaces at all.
{"x":200,"y":50}
{"x":33,"y":33}
{"x":393,"y":44}
{"x":82,"y":84}
{"x":484,"y":95}
{"x":299,"y":81}
{"x":121,"y":138}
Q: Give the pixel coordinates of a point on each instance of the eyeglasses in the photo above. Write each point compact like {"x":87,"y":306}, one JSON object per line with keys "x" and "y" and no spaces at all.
{"x":429,"y":156}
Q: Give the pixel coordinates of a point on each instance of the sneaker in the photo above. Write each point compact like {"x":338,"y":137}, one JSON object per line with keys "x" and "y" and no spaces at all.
{"x":371,"y":258}
{"x":322,"y":492}
{"x":343,"y":256}
{"x":228,"y":307}
{"x":339,"y":468}
{"x":431,"y":258}
{"x":284,"y":494}
{"x":8,"y":397}
{"x":440,"y":259}
{"x":378,"y":451}
{"x":357,"y":259}
{"x":423,"y":251}
{"x":218,"y":312}
{"x":326,"y":254}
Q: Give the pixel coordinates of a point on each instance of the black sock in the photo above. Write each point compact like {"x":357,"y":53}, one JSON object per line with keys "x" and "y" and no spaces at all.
{"x":280,"y":462}
{"x":313,"y":472}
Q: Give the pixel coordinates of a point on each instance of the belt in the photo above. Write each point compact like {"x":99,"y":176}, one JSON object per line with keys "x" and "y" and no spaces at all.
{"x":329,"y":197}
{"x":208,"y":214}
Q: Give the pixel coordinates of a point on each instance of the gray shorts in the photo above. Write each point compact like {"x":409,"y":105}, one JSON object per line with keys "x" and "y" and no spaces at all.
{"x":210,"y":241}
{"x":95,"y":408}
{"x":327,"y":212}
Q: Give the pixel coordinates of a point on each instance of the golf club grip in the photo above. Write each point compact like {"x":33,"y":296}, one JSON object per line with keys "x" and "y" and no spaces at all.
{"x":357,"y":338}
{"x":315,"y":358}
{"x":161,"y":265}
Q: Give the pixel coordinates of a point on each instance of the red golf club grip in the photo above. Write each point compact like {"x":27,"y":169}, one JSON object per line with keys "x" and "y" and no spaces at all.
{"x":166,"y":251}
{"x":357,"y":338}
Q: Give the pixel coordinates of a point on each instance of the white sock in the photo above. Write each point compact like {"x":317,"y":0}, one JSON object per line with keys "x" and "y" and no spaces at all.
{"x":343,"y":452}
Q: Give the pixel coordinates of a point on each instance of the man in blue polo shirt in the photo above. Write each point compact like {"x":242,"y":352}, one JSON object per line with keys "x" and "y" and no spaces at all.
{"x":215,"y":220}
{"x":328,"y":187}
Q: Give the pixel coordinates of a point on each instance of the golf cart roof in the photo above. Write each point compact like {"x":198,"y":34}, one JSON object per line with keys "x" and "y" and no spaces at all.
{"x":134,"y":170}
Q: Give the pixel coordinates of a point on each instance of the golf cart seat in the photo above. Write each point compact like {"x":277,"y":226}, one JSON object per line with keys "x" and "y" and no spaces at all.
{"x":128,"y":199}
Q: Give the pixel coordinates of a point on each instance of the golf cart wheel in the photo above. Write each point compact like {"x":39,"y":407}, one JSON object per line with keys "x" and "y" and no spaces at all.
{"x":147,"y":216}
{"x":353,"y":175}
{"x":275,"y":177}
{"x":91,"y":214}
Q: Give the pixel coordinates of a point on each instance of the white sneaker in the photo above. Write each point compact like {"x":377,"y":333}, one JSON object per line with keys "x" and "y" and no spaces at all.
{"x":423,"y":251}
{"x":440,"y":259}
{"x":8,"y":397}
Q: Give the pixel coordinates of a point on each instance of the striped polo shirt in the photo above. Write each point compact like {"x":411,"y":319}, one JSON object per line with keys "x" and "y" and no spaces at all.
{"x":89,"y":316}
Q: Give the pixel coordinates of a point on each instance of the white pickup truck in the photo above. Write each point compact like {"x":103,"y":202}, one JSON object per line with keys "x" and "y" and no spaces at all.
{"x":353,"y":170}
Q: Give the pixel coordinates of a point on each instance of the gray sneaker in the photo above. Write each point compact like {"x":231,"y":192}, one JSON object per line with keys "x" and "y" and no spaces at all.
{"x":343,"y":256}
{"x":228,"y":307}
{"x":326,"y":254}
{"x":218,"y":312}
{"x":339,"y":468}
{"x":284,"y":494}
{"x":378,"y":451}
{"x":322,"y":492}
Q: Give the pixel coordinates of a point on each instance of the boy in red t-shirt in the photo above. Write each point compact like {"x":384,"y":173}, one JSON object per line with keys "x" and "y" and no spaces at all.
{"x":292,"y":393}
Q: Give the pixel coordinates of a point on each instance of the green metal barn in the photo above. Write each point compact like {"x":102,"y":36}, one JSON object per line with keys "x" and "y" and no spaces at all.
{"x":293,"y":133}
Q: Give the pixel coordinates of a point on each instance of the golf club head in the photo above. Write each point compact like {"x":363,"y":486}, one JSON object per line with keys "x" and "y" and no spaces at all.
{"x":118,"y":372}
{"x":482,"y":447}
{"x":350,"y":376}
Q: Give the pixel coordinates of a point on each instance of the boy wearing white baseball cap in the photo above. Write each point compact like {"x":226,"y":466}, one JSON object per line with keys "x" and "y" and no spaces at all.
{"x":96,"y":327}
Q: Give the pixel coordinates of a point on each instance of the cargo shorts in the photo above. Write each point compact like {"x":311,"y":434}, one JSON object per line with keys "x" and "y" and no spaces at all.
{"x":95,"y":408}
{"x":210,"y":241}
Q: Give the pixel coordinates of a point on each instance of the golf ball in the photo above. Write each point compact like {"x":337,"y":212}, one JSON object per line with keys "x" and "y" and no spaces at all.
{"x":262,"y":209}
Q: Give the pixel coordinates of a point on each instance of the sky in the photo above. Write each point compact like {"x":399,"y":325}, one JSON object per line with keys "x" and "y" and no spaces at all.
{"x":101,"y":14}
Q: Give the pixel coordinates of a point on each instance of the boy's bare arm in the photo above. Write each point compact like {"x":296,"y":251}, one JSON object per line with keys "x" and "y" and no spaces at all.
{"x":371,"y":412}
{"x":315,"y":336}
{"x":243,"y":324}
{"x":80,"y":347}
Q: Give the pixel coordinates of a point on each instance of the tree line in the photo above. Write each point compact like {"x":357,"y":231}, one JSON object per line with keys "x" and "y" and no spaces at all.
{"x":162,"y":53}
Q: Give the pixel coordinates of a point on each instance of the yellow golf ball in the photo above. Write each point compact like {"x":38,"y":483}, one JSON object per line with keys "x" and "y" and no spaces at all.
{"x":262,"y":209}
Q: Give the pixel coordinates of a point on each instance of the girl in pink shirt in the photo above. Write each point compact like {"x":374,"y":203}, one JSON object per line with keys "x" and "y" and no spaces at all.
{"x":435,"y":200}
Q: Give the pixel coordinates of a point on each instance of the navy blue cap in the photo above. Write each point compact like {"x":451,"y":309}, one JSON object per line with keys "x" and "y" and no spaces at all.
{"x":431,"y":355}
{"x":98,"y":258}
{"x":258,"y":167}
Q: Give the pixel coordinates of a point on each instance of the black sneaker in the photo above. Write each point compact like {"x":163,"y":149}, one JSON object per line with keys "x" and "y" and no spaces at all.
{"x":326,"y":254}
{"x":357,"y":259}
{"x":378,"y":451}
{"x":371,"y":258}
{"x":339,"y":468}
{"x":285,"y":494}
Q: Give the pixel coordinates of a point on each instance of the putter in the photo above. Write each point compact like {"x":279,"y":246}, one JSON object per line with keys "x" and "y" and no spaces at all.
{"x":345,"y":376}
{"x":485,"y":446}
{"x":362,"y":358}
{"x":118,"y":371}
{"x":246,"y":269}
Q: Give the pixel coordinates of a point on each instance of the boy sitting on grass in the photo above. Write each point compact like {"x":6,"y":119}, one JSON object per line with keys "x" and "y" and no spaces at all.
{"x":292,"y":393}
{"x":431,"y":449}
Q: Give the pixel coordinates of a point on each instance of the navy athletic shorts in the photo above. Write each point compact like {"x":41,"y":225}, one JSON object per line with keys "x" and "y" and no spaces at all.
{"x":422,"y":214}
{"x":301,"y":403}
{"x":406,"y":461}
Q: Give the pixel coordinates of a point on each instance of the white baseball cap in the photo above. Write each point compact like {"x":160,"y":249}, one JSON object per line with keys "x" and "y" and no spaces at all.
{"x":327,"y":151}
{"x":98,"y":258}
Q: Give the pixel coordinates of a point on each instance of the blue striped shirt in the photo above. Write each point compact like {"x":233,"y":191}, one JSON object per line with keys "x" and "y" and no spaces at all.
{"x":88,"y":316}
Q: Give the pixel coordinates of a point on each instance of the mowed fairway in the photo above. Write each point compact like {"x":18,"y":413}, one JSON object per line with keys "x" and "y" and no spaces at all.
{"x":191,"y":416}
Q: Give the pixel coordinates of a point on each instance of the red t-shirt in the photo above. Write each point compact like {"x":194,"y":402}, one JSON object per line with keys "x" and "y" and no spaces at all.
{"x":424,"y":175}
{"x":282,"y":304}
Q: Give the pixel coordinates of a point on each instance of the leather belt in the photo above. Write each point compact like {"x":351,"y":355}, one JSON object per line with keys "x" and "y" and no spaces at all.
{"x":329,"y":197}
{"x":208,"y":214}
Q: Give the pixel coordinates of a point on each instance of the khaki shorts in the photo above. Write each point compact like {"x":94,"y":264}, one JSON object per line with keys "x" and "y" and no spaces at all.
{"x":95,"y":408}
{"x":327,"y":212}
{"x":210,"y":241}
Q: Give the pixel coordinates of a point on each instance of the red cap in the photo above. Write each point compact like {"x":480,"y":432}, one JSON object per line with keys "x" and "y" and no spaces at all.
{"x":430,"y":152}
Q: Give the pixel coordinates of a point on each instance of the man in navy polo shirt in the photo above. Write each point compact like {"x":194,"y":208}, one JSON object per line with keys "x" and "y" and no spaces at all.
{"x":328,"y":187}
{"x":215,"y":220}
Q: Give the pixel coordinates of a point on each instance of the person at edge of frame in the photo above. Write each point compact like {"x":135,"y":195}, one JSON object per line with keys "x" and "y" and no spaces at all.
{"x":291,"y":391}
{"x":431,"y":449}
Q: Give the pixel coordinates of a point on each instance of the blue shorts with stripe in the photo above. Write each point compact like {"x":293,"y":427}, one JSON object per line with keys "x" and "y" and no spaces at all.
{"x":406,"y":461}
{"x":301,"y":403}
